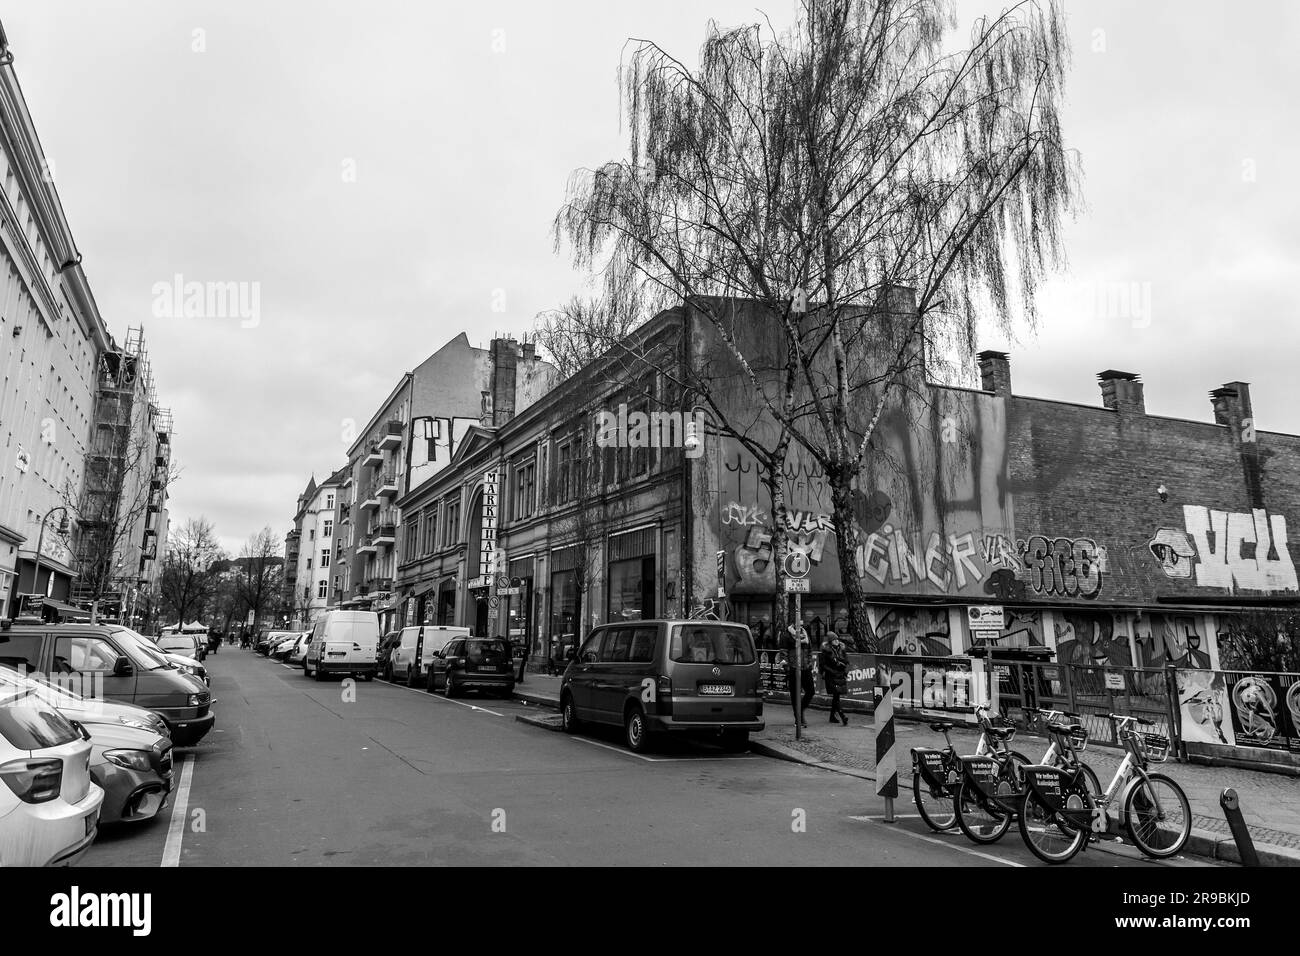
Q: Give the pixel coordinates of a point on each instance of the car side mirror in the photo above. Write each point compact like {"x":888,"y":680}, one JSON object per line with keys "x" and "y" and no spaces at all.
{"x":122,"y":668}
{"x":570,"y":654}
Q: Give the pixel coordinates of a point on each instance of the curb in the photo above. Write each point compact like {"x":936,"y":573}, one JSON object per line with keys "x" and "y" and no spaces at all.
{"x":768,"y":748}
{"x":541,"y":700}
{"x":545,"y":722}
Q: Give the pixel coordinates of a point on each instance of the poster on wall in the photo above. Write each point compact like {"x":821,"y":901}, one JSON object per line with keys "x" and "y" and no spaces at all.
{"x":927,"y":683}
{"x":1203,"y":706}
{"x":1265,"y":710}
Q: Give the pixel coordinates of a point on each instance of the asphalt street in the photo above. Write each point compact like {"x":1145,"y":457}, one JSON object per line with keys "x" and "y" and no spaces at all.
{"x":341,"y":773}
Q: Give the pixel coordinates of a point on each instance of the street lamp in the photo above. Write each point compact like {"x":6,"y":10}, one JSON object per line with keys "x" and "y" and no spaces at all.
{"x":40,"y":541}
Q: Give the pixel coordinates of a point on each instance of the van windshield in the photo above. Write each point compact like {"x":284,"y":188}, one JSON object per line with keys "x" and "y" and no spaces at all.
{"x":711,"y":644}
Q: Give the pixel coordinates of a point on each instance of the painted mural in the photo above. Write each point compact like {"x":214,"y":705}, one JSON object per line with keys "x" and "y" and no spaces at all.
{"x":916,"y":631}
{"x":1164,"y":639}
{"x":1237,"y":551}
{"x":1092,"y":637}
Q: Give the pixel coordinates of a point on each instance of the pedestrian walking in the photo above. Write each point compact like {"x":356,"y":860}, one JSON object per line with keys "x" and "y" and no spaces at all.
{"x":521,"y":648}
{"x":799,"y":705}
{"x":834,"y":661}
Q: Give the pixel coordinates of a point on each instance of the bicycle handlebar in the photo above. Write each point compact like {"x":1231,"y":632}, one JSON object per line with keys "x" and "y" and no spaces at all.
{"x":1123,"y":719}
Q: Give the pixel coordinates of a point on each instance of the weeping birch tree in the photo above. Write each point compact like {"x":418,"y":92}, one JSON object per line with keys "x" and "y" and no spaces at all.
{"x":824,"y":175}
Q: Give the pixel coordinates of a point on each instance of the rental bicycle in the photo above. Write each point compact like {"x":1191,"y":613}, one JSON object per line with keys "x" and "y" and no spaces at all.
{"x":1059,"y":814}
{"x":988,"y":790}
{"x":937,"y":771}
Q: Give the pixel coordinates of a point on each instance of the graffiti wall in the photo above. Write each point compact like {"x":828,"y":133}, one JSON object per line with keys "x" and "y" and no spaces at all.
{"x":1164,"y":639}
{"x":1236,"y":551}
{"x":1092,"y":637}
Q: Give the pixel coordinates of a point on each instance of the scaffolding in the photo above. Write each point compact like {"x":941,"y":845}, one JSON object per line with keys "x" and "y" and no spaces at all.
{"x":130,"y":445}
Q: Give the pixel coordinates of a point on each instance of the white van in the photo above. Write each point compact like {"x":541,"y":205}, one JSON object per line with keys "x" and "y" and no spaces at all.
{"x":419,"y":643}
{"x":343,"y":642}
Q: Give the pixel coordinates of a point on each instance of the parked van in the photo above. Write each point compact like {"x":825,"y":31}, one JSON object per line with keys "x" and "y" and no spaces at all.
{"x":652,"y":677}
{"x":343,"y":642}
{"x":100,"y":659}
{"x":419,"y":644}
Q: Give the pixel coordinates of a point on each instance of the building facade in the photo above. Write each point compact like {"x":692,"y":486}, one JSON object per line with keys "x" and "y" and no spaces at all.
{"x":53,"y":347}
{"x":1103,"y":535}
{"x":410,"y":438}
{"x":314,"y":543}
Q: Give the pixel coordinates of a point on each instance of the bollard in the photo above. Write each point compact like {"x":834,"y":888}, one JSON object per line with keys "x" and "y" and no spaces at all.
{"x":1240,"y":832}
{"x":886,"y":759}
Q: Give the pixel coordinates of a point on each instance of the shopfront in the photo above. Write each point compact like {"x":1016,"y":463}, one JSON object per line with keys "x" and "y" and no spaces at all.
{"x":631,"y":592}
{"x":566,"y":603}
{"x":517,"y":603}
{"x":446,"y":612}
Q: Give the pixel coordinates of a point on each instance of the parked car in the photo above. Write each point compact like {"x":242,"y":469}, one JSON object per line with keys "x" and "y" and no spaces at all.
{"x":416,"y":648}
{"x":86,"y":710}
{"x":384,"y":654}
{"x":126,"y":673}
{"x":343,"y":642}
{"x":704,"y":674}
{"x":49,"y":805}
{"x":297,"y":651}
{"x":270,"y":638}
{"x":280,"y":650}
{"x":186,"y":665}
{"x":473,"y":663}
{"x":184,"y":645}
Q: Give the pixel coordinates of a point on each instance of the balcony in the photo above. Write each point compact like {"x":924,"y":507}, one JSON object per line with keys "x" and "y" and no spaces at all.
{"x":374,"y":457}
{"x":392,"y":437}
{"x":379,"y":584}
{"x":367,"y":546}
{"x":386,"y":486}
{"x":385,"y":535}
{"x":370,"y":498}
{"x":347,"y":480}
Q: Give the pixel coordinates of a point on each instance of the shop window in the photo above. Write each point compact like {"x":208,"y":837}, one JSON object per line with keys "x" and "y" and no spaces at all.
{"x":632,"y":589}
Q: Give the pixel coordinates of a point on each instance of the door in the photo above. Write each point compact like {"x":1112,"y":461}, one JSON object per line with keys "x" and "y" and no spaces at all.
{"x":583,"y":673}
{"x":89,"y":660}
{"x":626,"y":660}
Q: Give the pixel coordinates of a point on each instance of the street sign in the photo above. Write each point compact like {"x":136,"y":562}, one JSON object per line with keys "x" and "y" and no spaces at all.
{"x":510,"y":590}
{"x":798,"y":586}
{"x":986,"y":617}
{"x":503,"y":581}
{"x":1115,"y":680}
{"x":250,"y":618}
{"x":493,"y":603}
{"x":797,"y":565}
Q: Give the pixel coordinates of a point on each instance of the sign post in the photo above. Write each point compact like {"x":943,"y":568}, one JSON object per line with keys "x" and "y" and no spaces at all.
{"x":796,"y":582}
{"x":886,"y":757}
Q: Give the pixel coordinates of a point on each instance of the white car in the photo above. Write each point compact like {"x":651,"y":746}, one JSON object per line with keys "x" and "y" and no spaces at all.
{"x":298,"y":651}
{"x":49,"y":806}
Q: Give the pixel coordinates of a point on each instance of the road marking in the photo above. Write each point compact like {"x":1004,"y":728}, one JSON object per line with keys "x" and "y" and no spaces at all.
{"x":445,"y":699}
{"x":180,"y":814}
{"x":286,"y":666}
{"x":950,"y":846}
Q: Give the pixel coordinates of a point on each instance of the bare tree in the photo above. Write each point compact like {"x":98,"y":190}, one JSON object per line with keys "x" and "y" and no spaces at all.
{"x":844,"y":172}
{"x":259,"y":568}
{"x":1265,"y":639}
{"x":187,"y":582}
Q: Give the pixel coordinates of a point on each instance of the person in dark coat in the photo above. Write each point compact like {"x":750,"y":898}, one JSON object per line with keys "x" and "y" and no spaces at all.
{"x":834,"y":661}
{"x":805,"y":672}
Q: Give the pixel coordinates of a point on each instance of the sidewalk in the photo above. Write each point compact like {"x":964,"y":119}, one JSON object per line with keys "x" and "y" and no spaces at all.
{"x":1270,"y":803}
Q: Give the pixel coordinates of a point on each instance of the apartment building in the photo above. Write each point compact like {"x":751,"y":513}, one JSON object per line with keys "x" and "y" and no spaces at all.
{"x":313,"y":543}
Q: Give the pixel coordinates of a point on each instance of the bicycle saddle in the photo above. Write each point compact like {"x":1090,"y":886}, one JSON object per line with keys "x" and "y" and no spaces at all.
{"x":1057,"y":727}
{"x":1000,"y":733}
{"x":939,"y":726}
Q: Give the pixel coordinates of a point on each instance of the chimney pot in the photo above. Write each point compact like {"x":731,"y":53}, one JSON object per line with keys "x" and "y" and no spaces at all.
{"x":1122,"y":391}
{"x":995,"y":373}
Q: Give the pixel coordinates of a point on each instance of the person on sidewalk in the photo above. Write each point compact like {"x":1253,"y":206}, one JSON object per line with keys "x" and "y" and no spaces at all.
{"x":834,"y":661}
{"x":805,"y":670}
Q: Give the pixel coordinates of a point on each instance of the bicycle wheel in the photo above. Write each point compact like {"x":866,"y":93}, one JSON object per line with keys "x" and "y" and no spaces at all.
{"x":1094,"y":784}
{"x":1158,"y":816}
{"x":1047,"y":837}
{"x":979,"y":824}
{"x":934,"y":804}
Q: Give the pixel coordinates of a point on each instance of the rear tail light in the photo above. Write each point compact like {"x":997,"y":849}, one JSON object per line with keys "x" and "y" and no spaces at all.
{"x":34,"y":781}
{"x":664,"y":686}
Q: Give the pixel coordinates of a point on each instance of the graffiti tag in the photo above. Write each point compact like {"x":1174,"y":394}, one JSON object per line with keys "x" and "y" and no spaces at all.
{"x":1231,"y":549}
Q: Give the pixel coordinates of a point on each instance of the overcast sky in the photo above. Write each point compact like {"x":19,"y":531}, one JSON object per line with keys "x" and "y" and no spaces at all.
{"x":382,"y":169}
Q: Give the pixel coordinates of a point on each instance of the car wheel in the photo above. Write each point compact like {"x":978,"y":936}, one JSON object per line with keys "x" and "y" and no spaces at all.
{"x":449,"y":686}
{"x":412,"y":675}
{"x":319,"y":674}
{"x":569,"y":715}
{"x":368,"y":676}
{"x":635,"y":731}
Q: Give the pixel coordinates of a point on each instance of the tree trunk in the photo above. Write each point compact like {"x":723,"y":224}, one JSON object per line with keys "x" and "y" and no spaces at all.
{"x":780,"y":544}
{"x":846,"y":543}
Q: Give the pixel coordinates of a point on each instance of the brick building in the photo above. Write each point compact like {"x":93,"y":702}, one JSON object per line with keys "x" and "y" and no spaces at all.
{"x":1108,"y":535}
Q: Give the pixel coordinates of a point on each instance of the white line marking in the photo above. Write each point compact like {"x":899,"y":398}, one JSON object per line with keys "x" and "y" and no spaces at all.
{"x":180,"y":814}
{"x":286,"y":666}
{"x":445,"y":699}
{"x":950,"y":846}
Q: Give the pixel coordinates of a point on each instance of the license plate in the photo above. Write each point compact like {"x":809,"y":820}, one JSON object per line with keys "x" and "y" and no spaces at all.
{"x":717,"y":690}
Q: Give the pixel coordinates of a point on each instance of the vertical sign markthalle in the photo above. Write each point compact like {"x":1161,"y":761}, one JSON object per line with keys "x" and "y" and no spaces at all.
{"x":796,"y":583}
{"x":488,"y":542}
